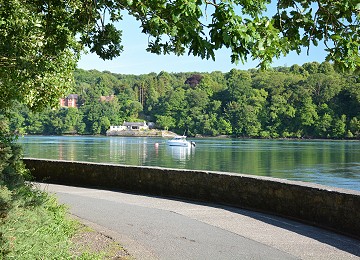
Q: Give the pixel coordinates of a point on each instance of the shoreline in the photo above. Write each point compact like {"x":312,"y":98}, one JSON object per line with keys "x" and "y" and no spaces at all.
{"x":172,"y":134}
{"x":142,"y":133}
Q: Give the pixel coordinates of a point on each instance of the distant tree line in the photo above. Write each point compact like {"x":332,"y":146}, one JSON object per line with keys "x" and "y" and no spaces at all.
{"x":308,"y":101}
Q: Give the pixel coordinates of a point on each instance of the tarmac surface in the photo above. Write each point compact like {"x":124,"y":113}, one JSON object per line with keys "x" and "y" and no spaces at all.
{"x":165,"y":228}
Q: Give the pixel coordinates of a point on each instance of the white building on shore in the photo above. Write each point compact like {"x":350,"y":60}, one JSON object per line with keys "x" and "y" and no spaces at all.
{"x":130,"y":126}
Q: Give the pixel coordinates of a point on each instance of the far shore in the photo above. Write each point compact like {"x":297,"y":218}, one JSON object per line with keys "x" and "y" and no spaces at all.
{"x":170,"y":134}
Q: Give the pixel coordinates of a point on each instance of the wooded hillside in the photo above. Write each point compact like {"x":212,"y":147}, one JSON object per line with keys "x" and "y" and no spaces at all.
{"x":308,"y":101}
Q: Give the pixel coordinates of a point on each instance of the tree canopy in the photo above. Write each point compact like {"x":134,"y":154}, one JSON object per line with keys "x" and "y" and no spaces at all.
{"x":302,"y":101}
{"x":41,"y":40}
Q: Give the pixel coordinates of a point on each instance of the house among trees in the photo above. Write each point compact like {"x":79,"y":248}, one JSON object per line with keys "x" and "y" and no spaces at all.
{"x":137,"y":129}
{"x":130,"y":126}
{"x":107,"y":98}
{"x":69,"y":101}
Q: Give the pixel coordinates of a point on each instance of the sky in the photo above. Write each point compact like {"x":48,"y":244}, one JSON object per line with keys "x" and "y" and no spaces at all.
{"x":136,"y":60}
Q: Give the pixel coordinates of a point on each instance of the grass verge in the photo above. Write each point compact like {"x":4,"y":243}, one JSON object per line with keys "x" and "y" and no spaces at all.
{"x":37,"y":227}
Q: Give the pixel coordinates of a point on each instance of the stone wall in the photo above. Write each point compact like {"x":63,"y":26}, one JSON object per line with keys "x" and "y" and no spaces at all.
{"x":323,"y":206}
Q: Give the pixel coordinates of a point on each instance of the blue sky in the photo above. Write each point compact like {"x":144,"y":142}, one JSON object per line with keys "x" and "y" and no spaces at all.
{"x":135,"y":60}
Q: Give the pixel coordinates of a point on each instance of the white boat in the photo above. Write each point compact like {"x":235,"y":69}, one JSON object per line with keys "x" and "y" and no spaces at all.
{"x":180,"y":140}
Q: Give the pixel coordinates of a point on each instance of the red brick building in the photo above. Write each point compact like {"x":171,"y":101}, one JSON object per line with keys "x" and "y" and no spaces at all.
{"x":69,"y":101}
{"x":107,"y":98}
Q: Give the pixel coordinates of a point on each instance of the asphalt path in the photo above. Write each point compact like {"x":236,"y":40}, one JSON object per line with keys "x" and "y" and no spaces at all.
{"x":162,"y":228}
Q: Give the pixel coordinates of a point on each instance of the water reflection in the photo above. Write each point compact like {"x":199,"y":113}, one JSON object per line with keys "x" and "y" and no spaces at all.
{"x":67,"y":151}
{"x":128,"y":150}
{"x":117,"y":147}
{"x":181,"y":154}
{"x":334,"y":163}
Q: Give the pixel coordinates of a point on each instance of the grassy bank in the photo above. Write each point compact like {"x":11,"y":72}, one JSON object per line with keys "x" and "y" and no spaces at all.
{"x":32,"y":223}
{"x":37,"y":227}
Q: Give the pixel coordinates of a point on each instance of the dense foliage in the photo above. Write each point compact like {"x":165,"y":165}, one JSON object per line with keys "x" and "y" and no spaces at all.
{"x":40,"y":40}
{"x":308,"y":101}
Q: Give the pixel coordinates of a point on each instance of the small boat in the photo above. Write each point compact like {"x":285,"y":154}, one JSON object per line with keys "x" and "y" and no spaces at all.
{"x":180,"y":140}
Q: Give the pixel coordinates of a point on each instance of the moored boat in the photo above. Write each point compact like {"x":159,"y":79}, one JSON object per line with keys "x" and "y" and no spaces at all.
{"x":180,"y":140}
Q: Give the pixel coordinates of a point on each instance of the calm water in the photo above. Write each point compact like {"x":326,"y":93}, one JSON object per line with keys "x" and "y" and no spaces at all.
{"x":333,"y":163}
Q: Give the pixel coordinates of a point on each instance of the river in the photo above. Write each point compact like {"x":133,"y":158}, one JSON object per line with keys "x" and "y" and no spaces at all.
{"x":332,"y":163}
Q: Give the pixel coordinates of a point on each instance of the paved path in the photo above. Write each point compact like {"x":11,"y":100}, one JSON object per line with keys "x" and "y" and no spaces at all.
{"x":159,"y":228}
